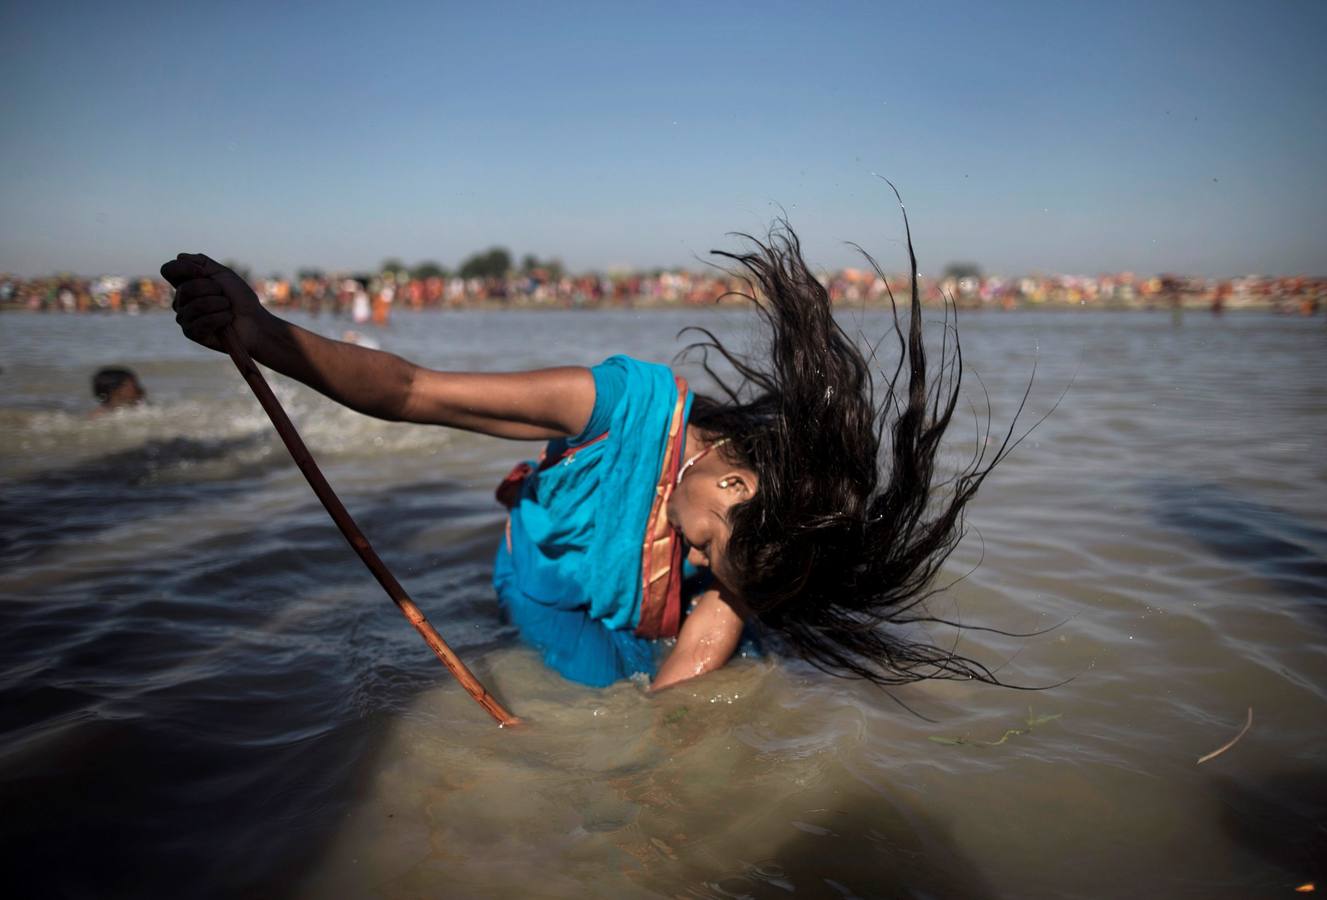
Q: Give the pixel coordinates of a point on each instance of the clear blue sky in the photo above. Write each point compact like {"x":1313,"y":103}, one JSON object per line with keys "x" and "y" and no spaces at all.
{"x":1071,"y":137}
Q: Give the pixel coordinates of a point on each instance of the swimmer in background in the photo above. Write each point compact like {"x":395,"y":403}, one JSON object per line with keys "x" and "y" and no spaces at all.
{"x":116,"y":387}
{"x":658,"y":522}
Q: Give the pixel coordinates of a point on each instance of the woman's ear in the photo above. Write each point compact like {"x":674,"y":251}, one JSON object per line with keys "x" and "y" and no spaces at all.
{"x":741,"y":482}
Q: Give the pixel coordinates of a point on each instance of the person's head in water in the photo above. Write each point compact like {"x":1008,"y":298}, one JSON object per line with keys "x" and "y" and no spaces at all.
{"x":115,"y":387}
{"x":798,"y":513}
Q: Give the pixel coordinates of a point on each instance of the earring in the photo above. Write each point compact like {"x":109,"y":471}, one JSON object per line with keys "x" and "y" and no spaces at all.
{"x":724,"y":483}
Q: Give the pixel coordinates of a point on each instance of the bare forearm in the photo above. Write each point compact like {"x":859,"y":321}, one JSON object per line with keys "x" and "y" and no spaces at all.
{"x":708,"y":638}
{"x":535,"y":405}
{"x":367,"y":381}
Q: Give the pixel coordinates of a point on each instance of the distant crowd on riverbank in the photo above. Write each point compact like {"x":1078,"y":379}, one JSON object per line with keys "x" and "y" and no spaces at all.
{"x":371,"y":298}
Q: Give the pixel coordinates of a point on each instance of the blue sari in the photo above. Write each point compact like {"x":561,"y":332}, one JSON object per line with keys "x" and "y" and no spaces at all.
{"x":569,"y":573}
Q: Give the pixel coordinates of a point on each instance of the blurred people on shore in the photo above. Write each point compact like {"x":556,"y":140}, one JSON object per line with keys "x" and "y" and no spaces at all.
{"x":370,"y":299}
{"x":116,"y":387}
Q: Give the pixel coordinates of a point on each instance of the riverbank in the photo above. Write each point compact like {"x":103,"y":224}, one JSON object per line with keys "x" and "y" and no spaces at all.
{"x":374,"y":298}
{"x":1282,"y":304}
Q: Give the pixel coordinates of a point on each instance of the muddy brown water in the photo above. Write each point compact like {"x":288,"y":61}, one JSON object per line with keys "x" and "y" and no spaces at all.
{"x":202,"y":693}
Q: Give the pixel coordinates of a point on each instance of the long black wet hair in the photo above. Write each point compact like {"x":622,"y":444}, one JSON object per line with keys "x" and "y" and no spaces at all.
{"x":838,"y":547}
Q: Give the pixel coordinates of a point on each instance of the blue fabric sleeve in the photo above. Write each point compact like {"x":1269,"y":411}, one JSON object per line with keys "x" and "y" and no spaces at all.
{"x":610,"y":383}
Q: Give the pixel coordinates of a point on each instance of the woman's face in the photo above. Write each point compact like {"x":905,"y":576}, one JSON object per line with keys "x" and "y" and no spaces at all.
{"x":699,"y":508}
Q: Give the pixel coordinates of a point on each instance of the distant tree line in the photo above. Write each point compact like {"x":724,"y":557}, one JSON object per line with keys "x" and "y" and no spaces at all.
{"x":495,"y":262}
{"x":961,"y":270}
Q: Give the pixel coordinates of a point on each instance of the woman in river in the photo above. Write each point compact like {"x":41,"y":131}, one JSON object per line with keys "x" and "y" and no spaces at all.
{"x":655,"y":513}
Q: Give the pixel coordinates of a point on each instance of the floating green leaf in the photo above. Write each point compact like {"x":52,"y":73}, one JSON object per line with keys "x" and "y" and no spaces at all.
{"x":1032,"y":721}
{"x":676,"y":716}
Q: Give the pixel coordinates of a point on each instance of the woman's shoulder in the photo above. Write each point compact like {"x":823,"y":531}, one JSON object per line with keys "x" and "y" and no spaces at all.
{"x":623,"y":386}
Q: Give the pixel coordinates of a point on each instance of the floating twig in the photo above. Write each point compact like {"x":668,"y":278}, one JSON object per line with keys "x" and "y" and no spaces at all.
{"x":1232,"y":742}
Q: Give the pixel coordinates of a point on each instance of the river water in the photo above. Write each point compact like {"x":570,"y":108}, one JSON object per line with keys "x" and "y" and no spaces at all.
{"x":203,"y":693}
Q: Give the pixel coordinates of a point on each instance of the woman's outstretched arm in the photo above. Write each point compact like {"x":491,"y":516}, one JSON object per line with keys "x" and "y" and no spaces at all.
{"x":533,"y":405}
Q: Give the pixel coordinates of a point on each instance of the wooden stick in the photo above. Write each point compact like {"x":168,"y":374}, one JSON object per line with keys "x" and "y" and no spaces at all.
{"x":240,"y":356}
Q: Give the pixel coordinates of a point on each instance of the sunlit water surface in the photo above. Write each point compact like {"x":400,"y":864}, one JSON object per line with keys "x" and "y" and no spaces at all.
{"x":202,"y":692}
